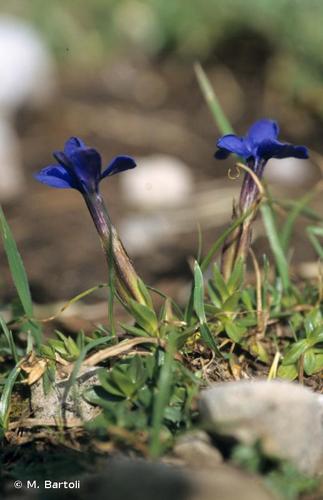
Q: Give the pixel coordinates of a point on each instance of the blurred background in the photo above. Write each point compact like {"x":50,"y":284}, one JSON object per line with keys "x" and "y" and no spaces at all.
{"x":119,"y":74}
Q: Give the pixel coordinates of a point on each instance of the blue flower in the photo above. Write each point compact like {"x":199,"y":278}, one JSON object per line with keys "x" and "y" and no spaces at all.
{"x":260,"y":143}
{"x":79,"y":167}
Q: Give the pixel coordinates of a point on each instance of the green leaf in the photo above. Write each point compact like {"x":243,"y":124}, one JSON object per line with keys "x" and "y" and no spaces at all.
{"x":9,"y":337}
{"x":72,"y":347}
{"x":212,"y":101}
{"x":213,"y":295}
{"x":258,"y":350}
{"x":318,"y":363}
{"x":6,"y":397}
{"x":295,"y":352}
{"x":16,"y":266}
{"x":221,"y":240}
{"x":275,"y":244}
{"x":145,"y":317}
{"x":162,"y":396}
{"x":309,"y":362}
{"x":137,"y":372}
{"x":232,"y":302}
{"x":293,"y":215}
{"x":234,"y":330}
{"x":288,"y":372}
{"x":219,"y":282}
{"x":247,"y":299}
{"x":145,"y":293}
{"x":58,"y":346}
{"x":133,"y":330}
{"x":208,"y":338}
{"x":199,"y":293}
{"x":236,"y":279}
{"x":110,"y":385}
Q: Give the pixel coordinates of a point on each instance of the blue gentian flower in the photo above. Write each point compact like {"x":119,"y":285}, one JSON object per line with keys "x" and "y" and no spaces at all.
{"x":260,"y":143}
{"x":256,"y":148}
{"x":79,"y":167}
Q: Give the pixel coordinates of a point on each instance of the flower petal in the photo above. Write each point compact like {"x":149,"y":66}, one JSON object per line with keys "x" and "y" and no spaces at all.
{"x":62,"y":159}
{"x":73,"y":144}
{"x":262,"y":130}
{"x":275,"y":149}
{"x":119,"y":164}
{"x":56,"y":176}
{"x":86,"y":164}
{"x":231,"y":143}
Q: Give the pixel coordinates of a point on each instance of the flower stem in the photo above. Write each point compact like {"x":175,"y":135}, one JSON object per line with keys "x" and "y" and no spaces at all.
{"x":238,"y":243}
{"x":125,"y":275}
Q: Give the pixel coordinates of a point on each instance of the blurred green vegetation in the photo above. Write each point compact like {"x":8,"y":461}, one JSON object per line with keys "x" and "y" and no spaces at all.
{"x":190,"y":28}
{"x":245,"y":34}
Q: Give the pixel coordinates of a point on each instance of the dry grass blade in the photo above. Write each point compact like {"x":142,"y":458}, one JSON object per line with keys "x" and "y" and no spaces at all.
{"x":30,"y":423}
{"x":116,"y":350}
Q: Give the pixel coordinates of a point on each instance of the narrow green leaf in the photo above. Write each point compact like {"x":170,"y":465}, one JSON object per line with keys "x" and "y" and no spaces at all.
{"x":162,"y":396}
{"x":232,"y":302}
{"x":220,"y":283}
{"x":145,"y":293}
{"x":272,"y":234}
{"x":296,"y":211}
{"x":5,"y":398}
{"x":133,"y":330}
{"x":199,"y":293}
{"x":212,"y":101}
{"x":208,"y":338}
{"x":220,"y":241}
{"x":236,"y":279}
{"x":295,"y":352}
{"x":16,"y":266}
{"x":9,"y":337}
{"x":144,"y":316}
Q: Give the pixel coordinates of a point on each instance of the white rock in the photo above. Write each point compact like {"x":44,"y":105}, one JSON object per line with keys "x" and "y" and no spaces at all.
{"x":290,"y":172}
{"x":11,"y":173}
{"x":285,"y":417}
{"x":159,"y":181}
{"x":142,"y":233}
{"x":27,"y":77}
{"x":27,"y":69}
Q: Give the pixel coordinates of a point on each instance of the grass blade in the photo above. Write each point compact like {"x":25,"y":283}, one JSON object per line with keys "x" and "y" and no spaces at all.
{"x":5,"y":399}
{"x":221,"y":240}
{"x":198,"y":301}
{"x":275,"y":244}
{"x":212,"y":101}
{"x":162,"y":397}
{"x":199,"y":293}
{"x":291,"y":219}
{"x":16,"y":266}
{"x":8,"y":335}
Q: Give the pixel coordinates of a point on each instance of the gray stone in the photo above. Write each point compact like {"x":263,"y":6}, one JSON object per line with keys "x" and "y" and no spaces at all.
{"x":196,"y":450}
{"x":286,"y":418}
{"x":137,"y":479}
{"x":228,"y":483}
{"x":55,"y":404}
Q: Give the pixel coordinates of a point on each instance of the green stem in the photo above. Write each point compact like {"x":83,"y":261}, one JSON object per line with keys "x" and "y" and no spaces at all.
{"x":125,"y":274}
